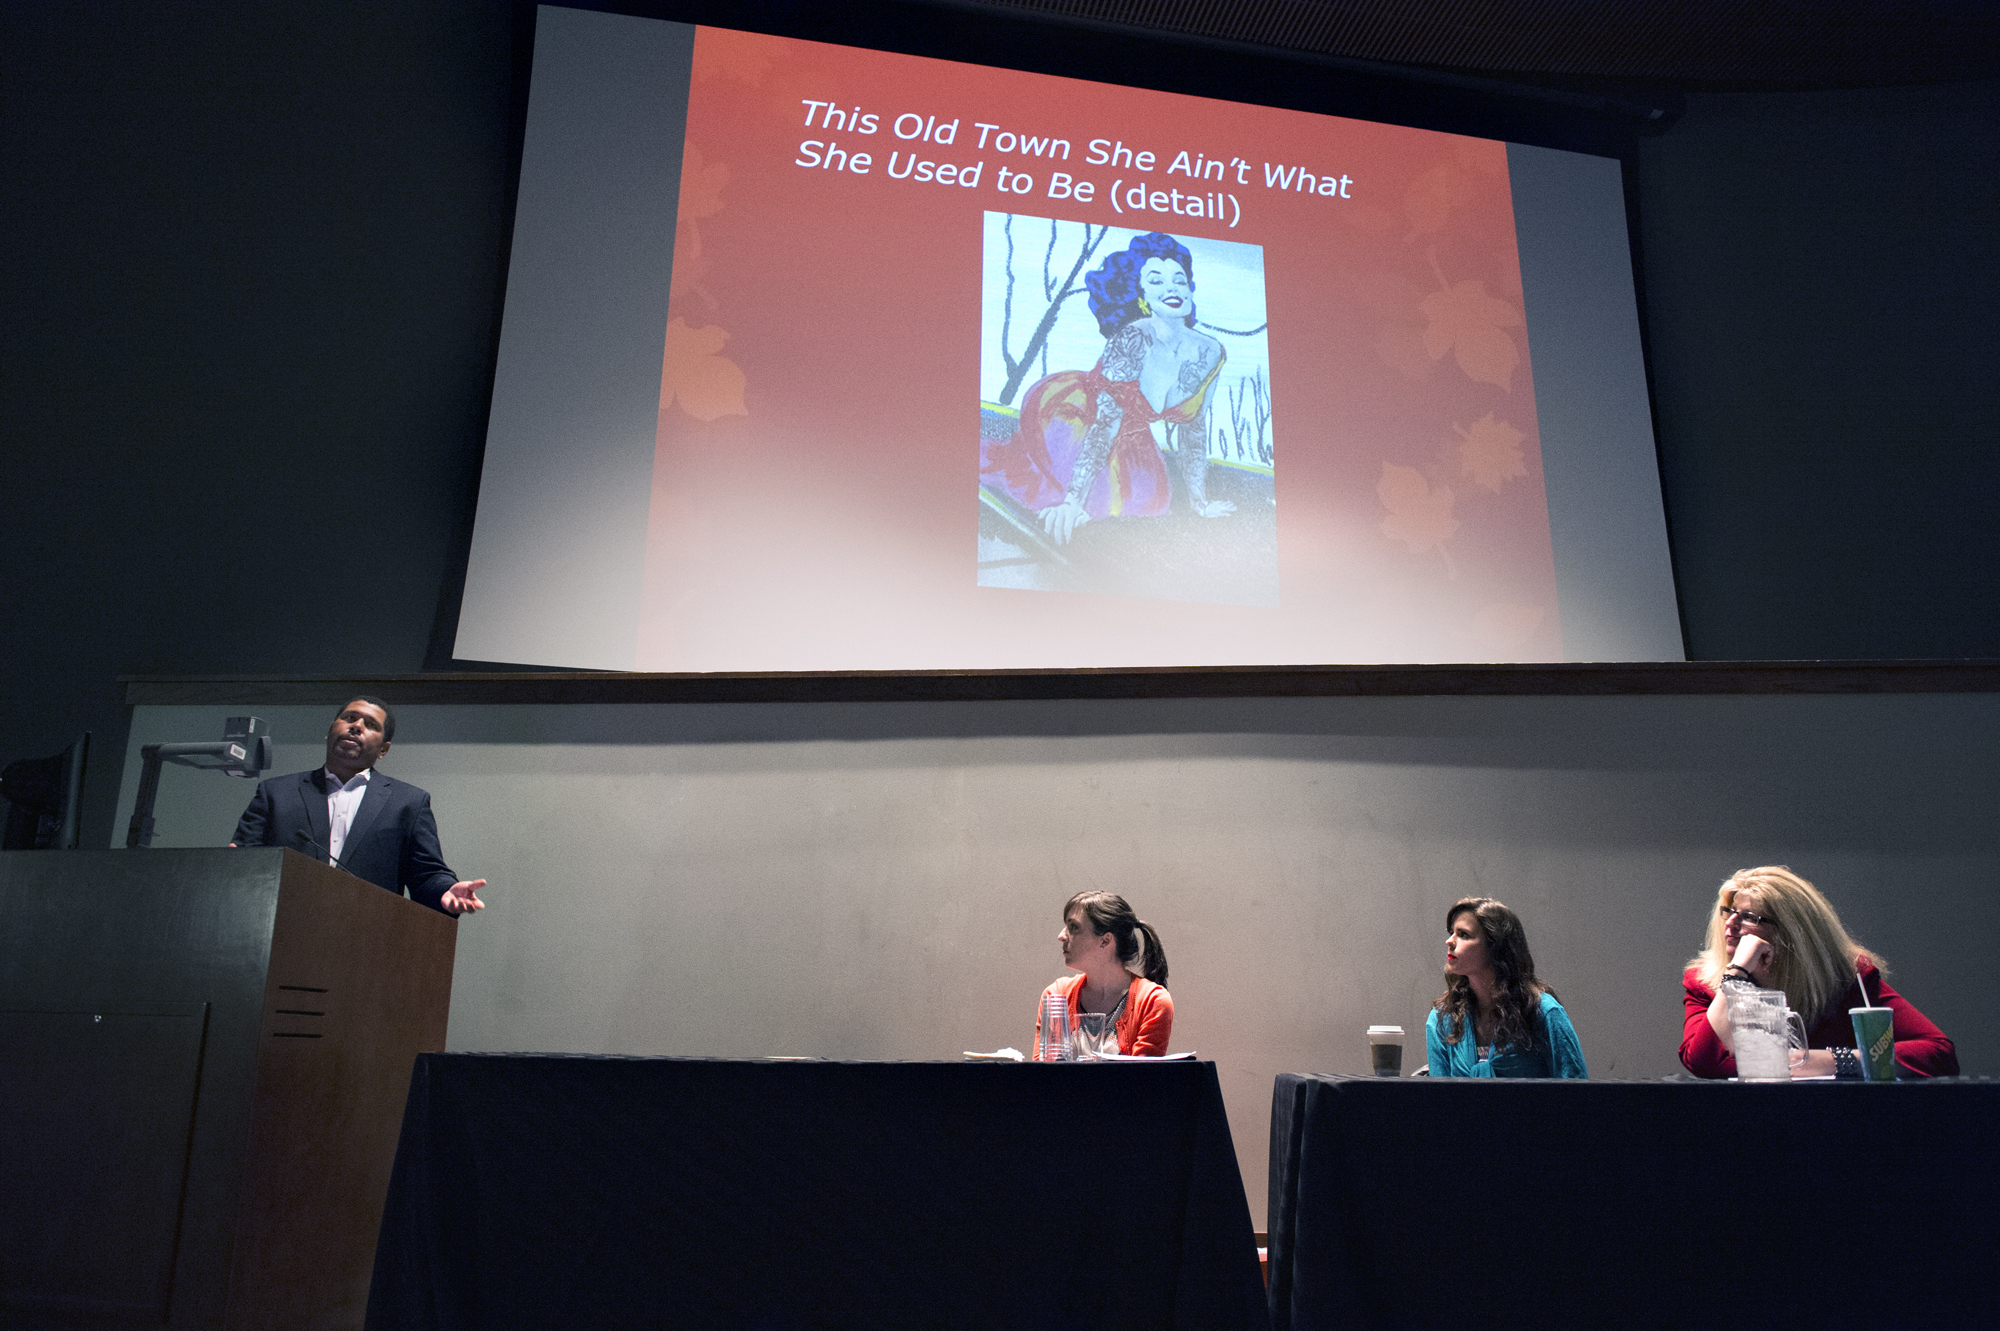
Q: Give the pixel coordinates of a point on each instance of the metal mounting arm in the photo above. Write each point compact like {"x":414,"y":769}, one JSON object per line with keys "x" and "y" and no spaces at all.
{"x":244,"y":750}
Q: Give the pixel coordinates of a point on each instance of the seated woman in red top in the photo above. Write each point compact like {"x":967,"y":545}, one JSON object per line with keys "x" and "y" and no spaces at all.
{"x":1124,"y":973}
{"x":1773,"y":929}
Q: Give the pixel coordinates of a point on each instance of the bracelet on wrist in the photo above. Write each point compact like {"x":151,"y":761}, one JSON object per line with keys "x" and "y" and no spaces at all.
{"x":1846,"y":1065}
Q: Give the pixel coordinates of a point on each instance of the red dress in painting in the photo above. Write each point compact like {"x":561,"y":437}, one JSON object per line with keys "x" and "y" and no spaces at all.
{"x":1037,"y":465}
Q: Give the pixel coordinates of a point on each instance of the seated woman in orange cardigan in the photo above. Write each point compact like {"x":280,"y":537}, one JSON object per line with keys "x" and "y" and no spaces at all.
{"x":1124,"y":973}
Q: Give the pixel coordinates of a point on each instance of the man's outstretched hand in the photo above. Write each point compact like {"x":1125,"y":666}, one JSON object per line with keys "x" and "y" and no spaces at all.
{"x":462,"y":897}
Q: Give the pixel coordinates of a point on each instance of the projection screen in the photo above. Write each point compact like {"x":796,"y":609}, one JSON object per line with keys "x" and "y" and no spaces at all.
{"x":817,"y":358}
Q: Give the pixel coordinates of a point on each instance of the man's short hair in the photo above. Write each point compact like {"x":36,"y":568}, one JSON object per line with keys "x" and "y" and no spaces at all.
{"x":388,"y":716}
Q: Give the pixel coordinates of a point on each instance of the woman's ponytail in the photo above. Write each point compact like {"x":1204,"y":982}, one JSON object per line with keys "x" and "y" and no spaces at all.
{"x":1151,"y":958}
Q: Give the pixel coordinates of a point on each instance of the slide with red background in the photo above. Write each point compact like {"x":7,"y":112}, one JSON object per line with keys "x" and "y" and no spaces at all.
{"x":817,"y":455}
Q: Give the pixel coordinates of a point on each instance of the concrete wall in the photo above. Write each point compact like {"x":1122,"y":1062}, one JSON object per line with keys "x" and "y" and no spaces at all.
{"x":883,"y":881}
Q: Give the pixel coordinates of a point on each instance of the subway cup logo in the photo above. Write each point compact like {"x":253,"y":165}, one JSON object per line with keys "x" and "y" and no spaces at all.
{"x":1880,"y":1047}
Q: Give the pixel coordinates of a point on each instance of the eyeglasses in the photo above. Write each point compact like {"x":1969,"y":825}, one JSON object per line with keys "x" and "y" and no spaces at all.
{"x":1747,"y":916}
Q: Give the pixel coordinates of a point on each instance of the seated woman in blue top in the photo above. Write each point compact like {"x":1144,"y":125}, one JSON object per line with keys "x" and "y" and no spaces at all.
{"x":1496,"y":1019}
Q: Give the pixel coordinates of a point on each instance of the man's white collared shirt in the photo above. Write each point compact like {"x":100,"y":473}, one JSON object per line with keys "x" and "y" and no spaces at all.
{"x":341,"y":802}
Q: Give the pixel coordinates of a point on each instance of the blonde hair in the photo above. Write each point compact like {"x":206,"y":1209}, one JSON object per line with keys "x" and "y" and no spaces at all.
{"x":1813,"y":959}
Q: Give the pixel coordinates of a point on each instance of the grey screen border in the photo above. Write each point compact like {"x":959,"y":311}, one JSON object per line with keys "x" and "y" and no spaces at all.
{"x":557,"y":560}
{"x":1607,"y":524}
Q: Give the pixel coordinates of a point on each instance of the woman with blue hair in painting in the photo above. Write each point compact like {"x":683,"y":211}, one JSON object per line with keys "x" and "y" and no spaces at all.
{"x":1090,"y":442}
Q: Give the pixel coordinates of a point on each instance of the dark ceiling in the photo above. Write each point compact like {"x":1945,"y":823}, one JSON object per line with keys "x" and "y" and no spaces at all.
{"x":1693,"y":44}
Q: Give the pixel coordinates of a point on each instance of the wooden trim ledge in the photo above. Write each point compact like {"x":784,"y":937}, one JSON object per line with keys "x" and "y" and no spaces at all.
{"x":1323,"y":681}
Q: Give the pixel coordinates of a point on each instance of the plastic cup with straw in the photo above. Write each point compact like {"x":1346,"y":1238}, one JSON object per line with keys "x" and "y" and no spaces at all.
{"x":1874,"y":1033}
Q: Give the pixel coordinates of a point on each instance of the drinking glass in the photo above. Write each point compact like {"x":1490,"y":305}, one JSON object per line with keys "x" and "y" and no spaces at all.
{"x":1054,"y":1044}
{"x":1096,"y":1036}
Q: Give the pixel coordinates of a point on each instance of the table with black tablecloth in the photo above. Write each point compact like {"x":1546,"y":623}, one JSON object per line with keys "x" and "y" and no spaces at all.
{"x":1420,"y":1202}
{"x":545,"y":1191}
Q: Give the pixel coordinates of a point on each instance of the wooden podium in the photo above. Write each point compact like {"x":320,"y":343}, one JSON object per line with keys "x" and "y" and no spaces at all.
{"x":204,"y":1056}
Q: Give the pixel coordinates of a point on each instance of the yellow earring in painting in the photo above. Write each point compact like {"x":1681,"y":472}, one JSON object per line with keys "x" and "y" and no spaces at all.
{"x":1145,"y":310}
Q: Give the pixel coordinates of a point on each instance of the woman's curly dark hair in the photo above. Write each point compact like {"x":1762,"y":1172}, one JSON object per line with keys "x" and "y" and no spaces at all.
{"x":1517,"y":992}
{"x":1114,"y":286}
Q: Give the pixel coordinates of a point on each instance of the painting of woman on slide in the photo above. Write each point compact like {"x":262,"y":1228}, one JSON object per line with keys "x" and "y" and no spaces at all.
{"x":1090,"y":442}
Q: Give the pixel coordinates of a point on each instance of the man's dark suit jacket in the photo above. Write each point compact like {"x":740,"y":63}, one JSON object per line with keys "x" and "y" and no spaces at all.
{"x":392,"y":843}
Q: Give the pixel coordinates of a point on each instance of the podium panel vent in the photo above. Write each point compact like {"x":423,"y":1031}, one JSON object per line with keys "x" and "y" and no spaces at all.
{"x":299,"y":1012}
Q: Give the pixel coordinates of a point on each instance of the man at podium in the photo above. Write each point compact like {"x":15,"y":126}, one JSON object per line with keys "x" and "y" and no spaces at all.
{"x":357,"y":819}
